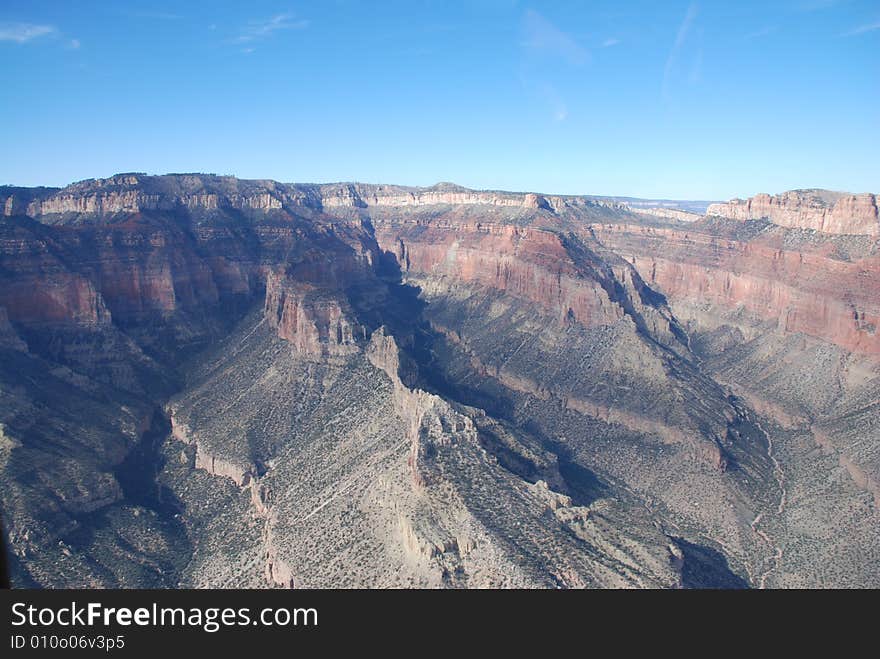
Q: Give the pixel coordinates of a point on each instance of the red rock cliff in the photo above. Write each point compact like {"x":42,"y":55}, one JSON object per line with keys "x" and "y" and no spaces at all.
{"x":806,"y":287}
{"x":530,"y":264}
{"x":819,"y":210}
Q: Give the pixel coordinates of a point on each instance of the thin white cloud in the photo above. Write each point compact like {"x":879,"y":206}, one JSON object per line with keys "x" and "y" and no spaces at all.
{"x":610,"y":42}
{"x":862,"y":29}
{"x":542,"y":37}
{"x":74,"y":44}
{"x":256,"y":30}
{"x":545,"y":47}
{"x":23,"y":32}
{"x":680,"y":38}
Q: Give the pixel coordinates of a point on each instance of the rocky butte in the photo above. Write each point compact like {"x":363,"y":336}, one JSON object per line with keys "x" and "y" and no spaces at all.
{"x":819,"y":210}
{"x":208,"y":381}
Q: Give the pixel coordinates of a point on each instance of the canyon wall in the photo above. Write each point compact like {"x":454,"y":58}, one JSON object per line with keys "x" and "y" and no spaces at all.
{"x":448,"y":194}
{"x":806,"y":288}
{"x":819,"y":210}
{"x":668,"y":213}
{"x":529,"y":264}
{"x":86,"y":271}
{"x":316,"y":324}
{"x":137,"y":193}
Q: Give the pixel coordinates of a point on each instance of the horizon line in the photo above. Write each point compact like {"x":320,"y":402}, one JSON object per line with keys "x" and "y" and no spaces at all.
{"x":428,"y":187}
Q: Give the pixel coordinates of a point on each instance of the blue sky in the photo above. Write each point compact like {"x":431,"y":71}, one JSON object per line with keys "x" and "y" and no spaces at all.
{"x":677,"y":99}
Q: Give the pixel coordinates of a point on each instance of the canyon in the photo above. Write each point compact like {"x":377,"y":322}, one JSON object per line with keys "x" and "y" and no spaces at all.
{"x":214,"y":382}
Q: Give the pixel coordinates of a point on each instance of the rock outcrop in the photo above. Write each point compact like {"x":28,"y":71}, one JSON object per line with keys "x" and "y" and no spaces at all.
{"x":818,"y":210}
{"x":429,"y":420}
{"x":199,"y":193}
{"x":448,"y":194}
{"x":315,"y":324}
{"x":136,"y":193}
{"x":796,"y":287}
{"x":530,"y":264}
{"x":668,"y":213}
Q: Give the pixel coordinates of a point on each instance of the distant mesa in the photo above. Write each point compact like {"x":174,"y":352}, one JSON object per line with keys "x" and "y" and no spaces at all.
{"x":818,"y":210}
{"x":824,"y":211}
{"x":132,"y":193}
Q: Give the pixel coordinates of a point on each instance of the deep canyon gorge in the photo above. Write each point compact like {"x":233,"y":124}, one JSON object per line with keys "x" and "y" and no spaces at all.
{"x":215,"y":382}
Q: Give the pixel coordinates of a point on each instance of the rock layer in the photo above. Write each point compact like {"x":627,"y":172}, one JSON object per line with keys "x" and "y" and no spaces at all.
{"x":818,"y":210}
{"x":801,"y":287}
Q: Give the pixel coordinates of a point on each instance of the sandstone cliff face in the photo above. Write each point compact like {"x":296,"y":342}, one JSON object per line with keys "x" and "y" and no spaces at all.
{"x":552,"y":270}
{"x":38,"y":287}
{"x":529,"y":264}
{"x":430,"y":422}
{"x":797,"y":290}
{"x":352,"y":196}
{"x":447,"y":194}
{"x":90,"y":276}
{"x":315,"y":325}
{"x":89,"y":272}
{"x":132,"y":193}
{"x":819,"y":210}
{"x":669,"y":213}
